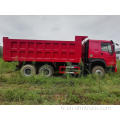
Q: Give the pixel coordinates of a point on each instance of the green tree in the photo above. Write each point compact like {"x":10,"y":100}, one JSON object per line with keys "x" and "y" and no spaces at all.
{"x":1,"y":51}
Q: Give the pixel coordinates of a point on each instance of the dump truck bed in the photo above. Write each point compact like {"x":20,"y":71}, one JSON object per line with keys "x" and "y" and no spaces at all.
{"x":42,"y":50}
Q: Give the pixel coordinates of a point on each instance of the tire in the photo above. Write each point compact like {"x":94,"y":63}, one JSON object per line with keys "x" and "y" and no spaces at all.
{"x":28,"y":70}
{"x":98,"y":70}
{"x":46,"y":70}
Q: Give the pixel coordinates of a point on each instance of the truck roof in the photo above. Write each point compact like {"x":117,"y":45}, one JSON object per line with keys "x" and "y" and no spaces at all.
{"x":99,"y":40}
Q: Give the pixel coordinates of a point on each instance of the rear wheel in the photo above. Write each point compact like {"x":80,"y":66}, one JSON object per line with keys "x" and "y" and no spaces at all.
{"x":28,"y":70}
{"x":46,"y":70}
{"x":98,"y":70}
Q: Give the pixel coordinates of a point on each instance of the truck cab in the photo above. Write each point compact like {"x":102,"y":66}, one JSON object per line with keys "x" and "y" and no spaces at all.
{"x":99,"y":56}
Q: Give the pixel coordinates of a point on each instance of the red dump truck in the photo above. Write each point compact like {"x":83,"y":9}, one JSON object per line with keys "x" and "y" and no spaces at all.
{"x":48,"y":56}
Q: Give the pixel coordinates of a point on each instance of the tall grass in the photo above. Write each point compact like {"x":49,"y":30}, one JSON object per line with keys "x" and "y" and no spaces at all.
{"x":16,"y":89}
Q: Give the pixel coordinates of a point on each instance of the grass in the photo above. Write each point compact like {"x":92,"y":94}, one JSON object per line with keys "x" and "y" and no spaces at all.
{"x":37,"y":90}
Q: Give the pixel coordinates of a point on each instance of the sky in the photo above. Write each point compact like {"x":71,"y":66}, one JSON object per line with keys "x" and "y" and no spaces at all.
{"x":60,"y":27}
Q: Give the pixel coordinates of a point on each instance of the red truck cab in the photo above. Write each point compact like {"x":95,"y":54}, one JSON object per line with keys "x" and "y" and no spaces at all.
{"x":99,"y":54}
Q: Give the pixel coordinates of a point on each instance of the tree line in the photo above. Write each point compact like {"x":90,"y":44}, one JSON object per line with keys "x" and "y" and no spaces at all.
{"x":1,"y":51}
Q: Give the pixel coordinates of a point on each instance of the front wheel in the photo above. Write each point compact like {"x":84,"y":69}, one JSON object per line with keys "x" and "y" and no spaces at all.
{"x":98,"y":70}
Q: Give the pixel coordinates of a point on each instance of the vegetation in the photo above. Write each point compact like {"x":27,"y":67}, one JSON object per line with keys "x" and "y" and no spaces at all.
{"x":1,"y":51}
{"x":16,"y":89}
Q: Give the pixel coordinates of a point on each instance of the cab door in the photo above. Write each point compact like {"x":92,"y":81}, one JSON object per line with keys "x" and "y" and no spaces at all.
{"x":107,"y":53}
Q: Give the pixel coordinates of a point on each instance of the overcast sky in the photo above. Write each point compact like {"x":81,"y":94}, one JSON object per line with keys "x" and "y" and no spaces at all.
{"x":58,"y":27}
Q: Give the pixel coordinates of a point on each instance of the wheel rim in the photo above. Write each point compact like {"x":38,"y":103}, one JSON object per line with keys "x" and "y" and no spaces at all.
{"x":45,"y":72}
{"x":27,"y":72}
{"x":99,"y":72}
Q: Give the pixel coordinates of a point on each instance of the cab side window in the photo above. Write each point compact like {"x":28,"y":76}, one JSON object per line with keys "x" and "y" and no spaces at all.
{"x":106,"y":47}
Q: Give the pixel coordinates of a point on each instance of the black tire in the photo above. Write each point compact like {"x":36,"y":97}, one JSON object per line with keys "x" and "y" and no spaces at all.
{"x":28,"y":70}
{"x":46,"y":70}
{"x":98,"y":70}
